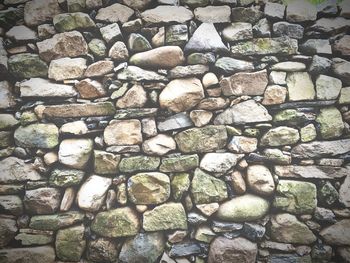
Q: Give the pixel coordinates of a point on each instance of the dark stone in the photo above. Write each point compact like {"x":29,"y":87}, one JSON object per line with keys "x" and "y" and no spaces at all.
{"x":253,"y":232}
{"x":185,"y":249}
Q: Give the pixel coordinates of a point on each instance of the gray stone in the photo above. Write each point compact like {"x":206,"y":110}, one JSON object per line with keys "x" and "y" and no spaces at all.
{"x":280,"y":136}
{"x":138,"y":43}
{"x":114,"y":13}
{"x":27,"y":65}
{"x":67,"y":68}
{"x":111,"y":33}
{"x":29,"y":237}
{"x":37,"y":12}
{"x":320,"y":65}
{"x":300,"y":86}
{"x":340,"y":68}
{"x":228,"y":65}
{"x":167,"y":14}
{"x":118,"y":52}
{"x":8,"y":230}
{"x":56,"y":221}
{"x":316,"y":46}
{"x":238,"y":31}
{"x":213,"y":14}
{"x":301,"y":11}
{"x":102,"y":249}
{"x":262,"y":28}
{"x":250,"y":15}
{"x":42,"y":200}
{"x":328,"y":25}
{"x":310,"y":171}
{"x":175,"y":122}
{"x":70,"y":243}
{"x":66,"y":177}
{"x":21,"y":33}
{"x":274,"y":10}
{"x":330,"y":122}
{"x":159,"y":145}
{"x":42,"y":254}
{"x":337,"y":234}
{"x":219,"y":162}
{"x":15,"y":170}
{"x":187,"y":71}
{"x":97,"y":47}
{"x":288,"y":29}
{"x":73,"y":21}
{"x":176,"y":35}
{"x":7,"y":99}
{"x":133,"y":73}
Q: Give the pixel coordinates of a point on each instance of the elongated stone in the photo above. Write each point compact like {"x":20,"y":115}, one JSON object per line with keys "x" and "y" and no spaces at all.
{"x":311,"y":171}
{"x":180,"y":163}
{"x":56,"y":221}
{"x":320,"y":149}
{"x":166,"y":14}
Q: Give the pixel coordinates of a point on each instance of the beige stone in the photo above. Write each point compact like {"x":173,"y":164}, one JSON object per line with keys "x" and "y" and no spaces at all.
{"x":123,"y":132}
{"x":135,"y":97}
{"x":90,"y":89}
{"x":274,"y":94}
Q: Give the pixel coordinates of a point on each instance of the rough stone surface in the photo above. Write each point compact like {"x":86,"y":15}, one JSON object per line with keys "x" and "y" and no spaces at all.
{"x":118,"y":132}
{"x":260,"y":180}
{"x":75,"y":153}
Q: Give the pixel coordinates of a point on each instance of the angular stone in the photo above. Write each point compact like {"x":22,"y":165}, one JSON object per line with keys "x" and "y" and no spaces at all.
{"x":139,"y":163}
{"x":178,"y":121}
{"x":300,"y":86}
{"x":205,"y":139}
{"x":286,"y":228}
{"x":75,"y":153}
{"x":249,"y":15}
{"x":180,"y":185}
{"x":123,"y":132}
{"x":66,"y":177}
{"x":118,"y":52}
{"x":38,"y":135}
{"x":340,"y":68}
{"x":70,"y":243}
{"x":201,"y":118}
{"x":238,"y":31}
{"x":67,"y":68}
{"x":260,"y":180}
{"x":42,"y":254}
{"x":330,"y":122}
{"x":187,"y":71}
{"x":105,"y":162}
{"x":327,"y":88}
{"x":114,"y":13}
{"x":206,"y":188}
{"x":219,"y":162}
{"x":138,"y":43}
{"x":243,"y":208}
{"x":282,"y":135}
{"x":330,"y":25}
{"x":167,"y":14}
{"x":337,"y":234}
{"x":344,"y":97}
{"x":182,"y":163}
{"x":245,"y":84}
{"x":8,"y":230}
{"x":7,"y":99}
{"x":68,"y":44}
{"x":308,"y":133}
{"x":145,"y":113}
{"x":133,"y":73}
{"x":274,"y":10}
{"x":111,"y":33}
{"x":274,"y":94}
{"x":15,"y":170}
{"x":205,"y":39}
{"x":341,"y":46}
{"x":287,"y":29}
{"x":21,"y":33}
{"x":90,"y":89}
{"x":38,"y":87}
{"x":228,"y":65}
{"x":227,"y":250}
{"x":27,"y":65}
{"x":204,"y":234}
{"x":301,"y":11}
{"x":102,"y":249}
{"x":316,"y":46}
{"x":310,"y":171}
{"x":37,"y":12}
{"x":42,"y":200}
{"x":29,"y":237}
{"x":159,"y":145}
{"x":120,"y":222}
{"x":181,"y":94}
{"x":344,"y":195}
{"x":266,"y":46}
{"x":295,"y":197}
{"x":8,"y":121}
{"x":73,"y":21}
{"x":176,"y":35}
{"x":99,"y":68}
{"x":213,"y":14}
{"x":320,"y":65}
{"x":165,"y":217}
{"x":149,"y":188}
{"x":245,"y":112}
{"x":185,"y":249}
{"x":242,"y":144}
{"x":262,"y":28}
{"x":56,"y":221}
{"x":144,"y":247}
{"x":79,"y":110}
{"x":201,"y":58}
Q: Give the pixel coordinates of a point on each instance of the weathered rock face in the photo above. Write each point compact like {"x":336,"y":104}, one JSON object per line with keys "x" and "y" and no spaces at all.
{"x":27,"y":66}
{"x":75,"y":153}
{"x":38,"y":12}
{"x":337,"y":234}
{"x":259,"y":179}
{"x":70,"y":243}
{"x":126,"y":132}
{"x":44,"y":200}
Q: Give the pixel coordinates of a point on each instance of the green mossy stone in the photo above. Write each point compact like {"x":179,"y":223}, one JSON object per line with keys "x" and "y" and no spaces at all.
{"x":280,"y":136}
{"x":72,"y":21}
{"x":331,"y":123}
{"x":180,"y":185}
{"x":70,"y":243}
{"x":27,"y":66}
{"x":66,"y":177}
{"x":139,"y":163}
{"x":327,"y":194}
{"x":7,"y":121}
{"x":97,"y":47}
{"x":56,"y":221}
{"x":182,"y":163}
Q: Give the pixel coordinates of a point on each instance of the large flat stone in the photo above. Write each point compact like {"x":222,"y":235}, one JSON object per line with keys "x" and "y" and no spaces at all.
{"x":311,"y":171}
{"x":15,"y":170}
{"x":320,"y":149}
{"x":167,"y":14}
{"x":43,"y":254}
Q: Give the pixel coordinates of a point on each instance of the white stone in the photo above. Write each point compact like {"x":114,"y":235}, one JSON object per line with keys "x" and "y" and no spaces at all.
{"x":327,"y":88}
{"x":278,"y":77}
{"x":159,"y":145}
{"x":67,"y":68}
{"x":74,"y":128}
{"x":75,"y":153}
{"x":21,"y":33}
{"x":219,"y":162}
{"x":114,"y":13}
{"x":300,"y":86}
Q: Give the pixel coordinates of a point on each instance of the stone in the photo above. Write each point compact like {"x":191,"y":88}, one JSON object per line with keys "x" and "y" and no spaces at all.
{"x":340,"y":68}
{"x":243,"y":208}
{"x":237,"y":182}
{"x":327,"y":88}
{"x":41,"y":254}
{"x":301,"y":11}
{"x":7,"y":99}
{"x":316,"y":46}
{"x":105,"y":162}
{"x":228,"y":65}
{"x":40,"y":201}
{"x":266,"y":46}
{"x":144,"y":247}
{"x":289,"y":66}
{"x":79,"y":110}
{"x":344,"y":196}
{"x":320,"y":65}
{"x":181,"y":94}
{"x":308,"y":133}
{"x":67,"y":44}
{"x":119,"y":222}
{"x":300,"y":86}
{"x":259,"y":180}
{"x":204,"y":234}
{"x":167,"y":14}
{"x":38,"y":135}
{"x":102,"y":249}
{"x":176,"y":35}
{"x":274,"y":10}
{"x":238,"y":31}
{"x":274,"y":94}
{"x":37,"y":12}
{"x":133,"y":73}
{"x":114,"y":13}
{"x":66,"y":177}
{"x":344,"y":97}
{"x":15,"y":170}
{"x":159,"y":145}
{"x":21,"y":33}
{"x":243,"y":83}
{"x":187,"y":71}
{"x":253,"y":232}
{"x":8,"y":230}
{"x":165,"y":217}
{"x":249,"y":15}
{"x":185,"y":249}
{"x":138,"y":43}
{"x":242,"y":113}
{"x":206,"y":188}
{"x":287,"y":29}
{"x":205,"y":39}
{"x":67,"y":68}
{"x":330,"y":122}
{"x":149,"y":188}
{"x":327,"y":194}
{"x":182,"y":163}
{"x":139,"y":163}
{"x":293,"y":117}
{"x":213,"y":14}
{"x":282,"y":135}
{"x":27,"y":65}
{"x":208,"y":209}
{"x":118,"y":52}
{"x":180,"y":184}
{"x":295,"y":197}
{"x":56,"y":221}
{"x":99,"y":68}
{"x":149,"y":127}
{"x":39,"y":87}
{"x":70,"y":243}
{"x":75,"y":153}
{"x":286,"y":228}
{"x":155,"y":58}
{"x":73,"y":21}
{"x":34,"y":237}
{"x":337,"y":234}
{"x":341,"y":47}
{"x":310,"y":171}
{"x":210,"y":80}
{"x":97,"y":47}
{"x":8,"y":121}
{"x":75,"y":5}
{"x":46,"y":31}
{"x":90,"y":89}
{"x":205,"y":139}
{"x":201,"y":58}
{"x":123,"y":132}
{"x":329,"y":25}
{"x":262,"y":28}
{"x":111,"y":33}
{"x":219,"y":162}
{"x":67,"y":199}
{"x":201,"y":118}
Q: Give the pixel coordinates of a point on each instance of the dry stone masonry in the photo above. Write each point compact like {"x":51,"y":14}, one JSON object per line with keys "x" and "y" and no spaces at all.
{"x":174,"y":131}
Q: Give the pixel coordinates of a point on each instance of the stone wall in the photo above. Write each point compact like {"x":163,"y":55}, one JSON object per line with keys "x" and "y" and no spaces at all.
{"x":152,"y":131}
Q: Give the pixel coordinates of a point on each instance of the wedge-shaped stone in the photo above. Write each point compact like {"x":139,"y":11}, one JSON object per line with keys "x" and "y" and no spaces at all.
{"x":120,"y":222}
{"x":165,"y":217}
{"x":266,"y":46}
{"x":167,"y":14}
{"x":320,"y":149}
{"x":337,"y":234}
{"x":311,"y":171}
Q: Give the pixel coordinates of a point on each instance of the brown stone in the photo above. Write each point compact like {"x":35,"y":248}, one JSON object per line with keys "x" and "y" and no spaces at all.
{"x":123,"y":132}
{"x":42,"y":200}
{"x":238,"y":183}
{"x":135,"y":97}
{"x":260,"y":180}
{"x":99,"y":68}
{"x":342,"y":45}
{"x":337,"y":234}
{"x":274,"y":94}
{"x":114,"y":13}
{"x":37,"y":12}
{"x":90,"y":89}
